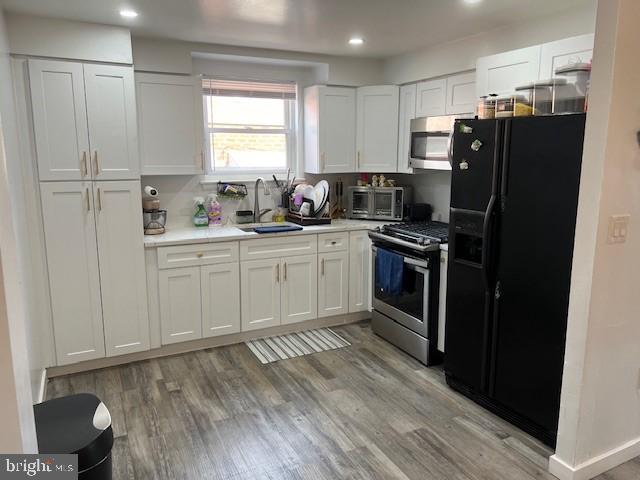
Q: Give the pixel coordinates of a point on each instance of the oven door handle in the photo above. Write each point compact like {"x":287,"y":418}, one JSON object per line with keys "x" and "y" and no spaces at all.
{"x":421,"y":267}
{"x":397,"y":241}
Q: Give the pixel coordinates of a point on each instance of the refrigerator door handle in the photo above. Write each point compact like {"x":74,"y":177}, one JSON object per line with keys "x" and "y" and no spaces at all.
{"x":486,"y":240}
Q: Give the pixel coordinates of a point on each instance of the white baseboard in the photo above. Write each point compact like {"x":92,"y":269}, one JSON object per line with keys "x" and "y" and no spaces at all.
{"x":42,"y":391}
{"x":596,"y":465}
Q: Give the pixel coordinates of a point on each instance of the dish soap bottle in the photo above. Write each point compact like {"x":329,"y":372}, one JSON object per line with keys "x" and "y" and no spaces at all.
{"x":200,"y":217}
{"x":214,"y":210}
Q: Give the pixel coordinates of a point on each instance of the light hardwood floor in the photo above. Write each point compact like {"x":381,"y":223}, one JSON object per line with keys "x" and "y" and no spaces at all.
{"x":362,"y":412}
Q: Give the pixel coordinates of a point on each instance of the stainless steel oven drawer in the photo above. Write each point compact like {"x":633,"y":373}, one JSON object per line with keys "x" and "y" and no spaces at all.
{"x":400,"y":336}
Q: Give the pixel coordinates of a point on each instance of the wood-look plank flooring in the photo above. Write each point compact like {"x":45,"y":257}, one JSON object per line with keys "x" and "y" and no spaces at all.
{"x":367,"y":411}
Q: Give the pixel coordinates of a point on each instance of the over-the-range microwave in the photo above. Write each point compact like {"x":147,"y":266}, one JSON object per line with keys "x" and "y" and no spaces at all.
{"x":430,"y":142}
{"x":377,"y":203}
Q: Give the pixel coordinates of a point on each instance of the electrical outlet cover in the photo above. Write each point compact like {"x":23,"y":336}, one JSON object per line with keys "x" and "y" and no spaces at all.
{"x":618,"y":228}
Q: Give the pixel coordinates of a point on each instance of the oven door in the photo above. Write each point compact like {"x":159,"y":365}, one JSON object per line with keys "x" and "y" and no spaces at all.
{"x":411,"y":307}
{"x":385,"y":204}
{"x":360,"y":203}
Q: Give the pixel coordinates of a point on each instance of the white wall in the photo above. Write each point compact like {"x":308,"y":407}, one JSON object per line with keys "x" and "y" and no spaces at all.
{"x":16,"y":413}
{"x":460,"y":55}
{"x":156,"y":55}
{"x":600,"y":408}
{"x":50,"y":37}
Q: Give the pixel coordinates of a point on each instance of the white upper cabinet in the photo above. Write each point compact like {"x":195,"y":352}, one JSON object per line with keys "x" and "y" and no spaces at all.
{"x":406,"y":114}
{"x":122,"y":271}
{"x":563,"y":52}
{"x":330,"y":129}
{"x":461,"y":94}
{"x":377,"y":129}
{"x":72,"y":260}
{"x":299,"y":289}
{"x":431,"y":97}
{"x":84,"y":120}
{"x":170,"y":124}
{"x":111,"y":113}
{"x":502,"y":73}
{"x":59,"y":119}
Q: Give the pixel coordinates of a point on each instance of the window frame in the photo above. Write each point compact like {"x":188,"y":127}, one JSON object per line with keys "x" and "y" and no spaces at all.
{"x":290,"y":132}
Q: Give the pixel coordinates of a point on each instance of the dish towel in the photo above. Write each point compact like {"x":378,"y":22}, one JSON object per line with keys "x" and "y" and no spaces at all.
{"x":389,"y":272}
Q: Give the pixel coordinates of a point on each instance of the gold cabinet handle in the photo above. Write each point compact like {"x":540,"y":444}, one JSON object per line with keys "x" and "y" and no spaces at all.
{"x":322,"y":267}
{"x":202,"y":160}
{"x":285,"y":272}
{"x":322,"y":161}
{"x":87,"y":199}
{"x":358,"y":160}
{"x":199,"y":254}
{"x":99,"y":200}
{"x":84,"y":167}
{"x":278,"y":273}
{"x":96,"y":163}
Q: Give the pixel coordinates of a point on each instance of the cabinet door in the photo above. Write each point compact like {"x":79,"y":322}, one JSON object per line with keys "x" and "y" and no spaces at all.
{"x":502,"y":73}
{"x":359,"y":272}
{"x":431,"y":97}
{"x":377,"y":129}
{"x":122,"y":270}
{"x":406,"y":114}
{"x":564,"y":52}
{"x":461,"y":94}
{"x":260,"y":293}
{"x":180,"y":305}
{"x":299,"y":288}
{"x":170,"y":124}
{"x":59,"y":119}
{"x":72,"y":260}
{"x":333,"y":284}
{"x":111,"y":114}
{"x":220,"y":299}
{"x":337,"y":129}
{"x":442,"y":305}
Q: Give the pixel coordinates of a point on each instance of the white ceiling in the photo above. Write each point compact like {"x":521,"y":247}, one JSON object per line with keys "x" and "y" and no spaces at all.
{"x":389,"y":27}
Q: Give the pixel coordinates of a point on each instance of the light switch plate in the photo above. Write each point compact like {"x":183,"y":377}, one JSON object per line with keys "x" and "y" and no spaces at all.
{"x":618,"y":228}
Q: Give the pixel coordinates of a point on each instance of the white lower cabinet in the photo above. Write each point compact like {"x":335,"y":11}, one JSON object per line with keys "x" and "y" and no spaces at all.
{"x":333,"y":284}
{"x":72,"y":261}
{"x":200,"y":300}
{"x":359,"y":272}
{"x":260,"y":293}
{"x":220,"y":291}
{"x":95,"y":259}
{"x":299,"y":289}
{"x":180,"y":308}
{"x":122,"y":271}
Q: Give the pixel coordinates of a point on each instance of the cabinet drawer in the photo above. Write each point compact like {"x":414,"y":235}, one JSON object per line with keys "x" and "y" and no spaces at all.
{"x":200,"y":254}
{"x":278,"y":247}
{"x":333,"y":242}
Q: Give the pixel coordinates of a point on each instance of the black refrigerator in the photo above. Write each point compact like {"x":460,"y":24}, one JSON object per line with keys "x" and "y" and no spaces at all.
{"x":514,"y":196}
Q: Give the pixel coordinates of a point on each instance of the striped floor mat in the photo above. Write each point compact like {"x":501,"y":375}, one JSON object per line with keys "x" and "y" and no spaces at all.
{"x":282,"y":347}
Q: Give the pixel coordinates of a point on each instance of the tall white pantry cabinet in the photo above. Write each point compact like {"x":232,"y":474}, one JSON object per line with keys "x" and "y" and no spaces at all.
{"x":85,"y":133}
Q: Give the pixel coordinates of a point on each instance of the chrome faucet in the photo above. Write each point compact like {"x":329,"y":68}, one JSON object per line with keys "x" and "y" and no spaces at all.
{"x":257,"y":213}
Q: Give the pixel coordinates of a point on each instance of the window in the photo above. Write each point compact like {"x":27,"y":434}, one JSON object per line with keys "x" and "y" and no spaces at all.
{"x":249,"y":126}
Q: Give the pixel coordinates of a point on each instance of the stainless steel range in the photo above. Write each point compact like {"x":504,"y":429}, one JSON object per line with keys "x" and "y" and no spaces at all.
{"x":409,"y":319}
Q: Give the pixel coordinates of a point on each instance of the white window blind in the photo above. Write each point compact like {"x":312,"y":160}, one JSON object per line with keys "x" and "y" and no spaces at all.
{"x":234,"y":88}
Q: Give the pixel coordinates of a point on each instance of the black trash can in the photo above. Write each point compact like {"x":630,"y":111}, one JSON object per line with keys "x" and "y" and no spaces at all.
{"x":79,"y":424}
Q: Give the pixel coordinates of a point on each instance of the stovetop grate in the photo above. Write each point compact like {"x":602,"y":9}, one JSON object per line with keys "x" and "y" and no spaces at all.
{"x":438,"y":231}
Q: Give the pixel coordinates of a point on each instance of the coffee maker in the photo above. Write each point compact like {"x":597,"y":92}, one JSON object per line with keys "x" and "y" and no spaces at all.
{"x":153,"y":218}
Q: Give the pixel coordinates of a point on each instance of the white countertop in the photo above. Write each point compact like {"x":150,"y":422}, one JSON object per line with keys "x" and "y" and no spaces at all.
{"x":182,"y":236}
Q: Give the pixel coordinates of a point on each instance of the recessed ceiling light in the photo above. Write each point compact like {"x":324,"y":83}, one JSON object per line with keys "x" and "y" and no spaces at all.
{"x":471,"y":2}
{"x":128,"y":13}
{"x":356,"y":41}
